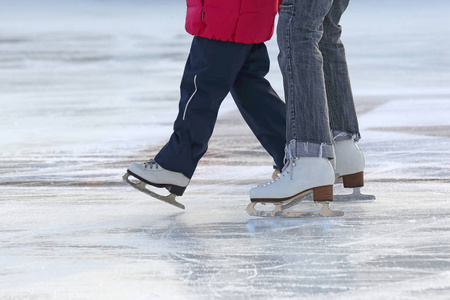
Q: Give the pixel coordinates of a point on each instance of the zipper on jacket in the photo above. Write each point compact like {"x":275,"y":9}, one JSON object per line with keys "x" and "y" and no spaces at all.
{"x":203,"y":13}
{"x":192,"y":96}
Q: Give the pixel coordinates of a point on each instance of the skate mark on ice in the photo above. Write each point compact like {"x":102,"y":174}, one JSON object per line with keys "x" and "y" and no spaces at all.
{"x":235,"y":270}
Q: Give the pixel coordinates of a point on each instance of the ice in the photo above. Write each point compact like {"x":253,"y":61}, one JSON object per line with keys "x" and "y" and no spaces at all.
{"x":86,"y":87}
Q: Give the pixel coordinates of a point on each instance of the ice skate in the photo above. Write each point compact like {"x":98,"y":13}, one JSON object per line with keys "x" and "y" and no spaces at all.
{"x":153,"y":174}
{"x":300,"y":178}
{"x":350,"y":169}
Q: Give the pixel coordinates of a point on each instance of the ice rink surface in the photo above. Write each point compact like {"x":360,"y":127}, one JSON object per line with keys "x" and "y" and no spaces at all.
{"x":88,"y":87}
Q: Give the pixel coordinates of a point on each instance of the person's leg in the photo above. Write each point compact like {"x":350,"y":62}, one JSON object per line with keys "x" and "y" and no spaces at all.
{"x":210,"y":72}
{"x":309,"y":142}
{"x":259,"y":104}
{"x":299,"y":32}
{"x":343,"y":119}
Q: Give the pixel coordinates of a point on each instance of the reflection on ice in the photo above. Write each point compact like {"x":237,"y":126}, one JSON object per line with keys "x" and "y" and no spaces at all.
{"x":278,"y":224}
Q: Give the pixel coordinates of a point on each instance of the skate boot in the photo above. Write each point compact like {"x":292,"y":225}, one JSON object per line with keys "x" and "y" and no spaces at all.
{"x":300,"y":177}
{"x":153,"y":174}
{"x":350,"y":169}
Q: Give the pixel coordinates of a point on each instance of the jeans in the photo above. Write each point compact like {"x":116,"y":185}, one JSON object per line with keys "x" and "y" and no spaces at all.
{"x":213,"y":70}
{"x":319,"y":100}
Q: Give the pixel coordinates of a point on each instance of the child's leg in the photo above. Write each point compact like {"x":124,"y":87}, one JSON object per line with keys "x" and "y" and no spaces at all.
{"x":209,"y":74}
{"x":259,"y":104}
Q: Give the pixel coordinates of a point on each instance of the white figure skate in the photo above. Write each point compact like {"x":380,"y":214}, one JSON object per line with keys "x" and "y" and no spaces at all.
{"x":350,"y":169}
{"x":153,"y":174}
{"x":301,"y":177}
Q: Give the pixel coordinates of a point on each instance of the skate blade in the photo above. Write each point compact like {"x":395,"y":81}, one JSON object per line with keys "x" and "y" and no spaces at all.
{"x":278,"y":211}
{"x":141,"y":186}
{"x":303,"y":196}
{"x":356,"y":195}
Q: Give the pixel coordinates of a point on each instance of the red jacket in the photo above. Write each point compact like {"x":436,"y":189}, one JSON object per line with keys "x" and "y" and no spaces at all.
{"x":240,"y":21}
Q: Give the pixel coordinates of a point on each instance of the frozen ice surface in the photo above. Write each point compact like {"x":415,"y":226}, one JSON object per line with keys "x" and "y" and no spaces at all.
{"x":112,"y":243}
{"x":86,"y":87}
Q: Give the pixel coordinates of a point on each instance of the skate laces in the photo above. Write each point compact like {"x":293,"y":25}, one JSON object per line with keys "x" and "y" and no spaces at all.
{"x":287,"y":169}
{"x":150,"y":164}
{"x":289,"y":159}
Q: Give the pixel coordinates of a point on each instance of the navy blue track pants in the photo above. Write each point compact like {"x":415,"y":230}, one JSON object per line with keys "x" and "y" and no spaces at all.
{"x":213,"y":69}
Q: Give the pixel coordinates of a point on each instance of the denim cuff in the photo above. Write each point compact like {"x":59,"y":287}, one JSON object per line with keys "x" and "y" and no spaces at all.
{"x":306,"y":149}
{"x":339,"y":135}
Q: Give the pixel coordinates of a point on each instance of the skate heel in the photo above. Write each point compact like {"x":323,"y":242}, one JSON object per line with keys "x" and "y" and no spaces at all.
{"x":176,"y":190}
{"x":323,"y":193}
{"x":353,"y":180}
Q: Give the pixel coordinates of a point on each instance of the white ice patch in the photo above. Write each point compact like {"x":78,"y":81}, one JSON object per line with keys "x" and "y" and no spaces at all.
{"x":413,"y":112}
{"x":392,"y":155}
